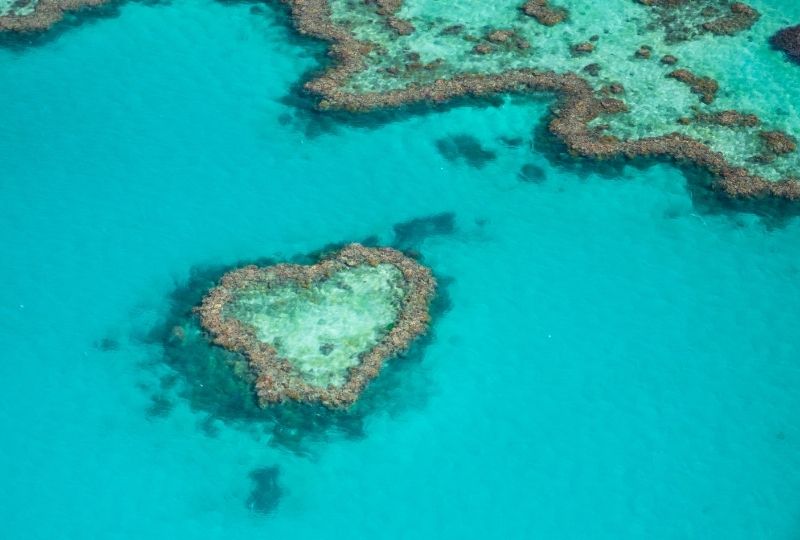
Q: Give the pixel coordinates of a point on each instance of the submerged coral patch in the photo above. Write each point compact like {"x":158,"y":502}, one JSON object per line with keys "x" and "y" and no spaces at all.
{"x":409,"y":234}
{"x":532,"y":173}
{"x":320,"y":333}
{"x":788,"y":41}
{"x":544,"y":13}
{"x":466,"y":148}
{"x":266,"y":492}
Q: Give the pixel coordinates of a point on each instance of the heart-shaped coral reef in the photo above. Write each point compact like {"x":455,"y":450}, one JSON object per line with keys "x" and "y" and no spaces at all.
{"x":320,"y":333}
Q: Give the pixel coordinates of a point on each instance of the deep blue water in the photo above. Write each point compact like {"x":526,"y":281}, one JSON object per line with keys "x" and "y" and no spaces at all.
{"x":620,"y":357}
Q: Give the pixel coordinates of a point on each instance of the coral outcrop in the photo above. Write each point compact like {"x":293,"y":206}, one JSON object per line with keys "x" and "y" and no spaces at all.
{"x":544,"y":13}
{"x":788,"y":41}
{"x":705,"y":87}
{"x":741,"y":17}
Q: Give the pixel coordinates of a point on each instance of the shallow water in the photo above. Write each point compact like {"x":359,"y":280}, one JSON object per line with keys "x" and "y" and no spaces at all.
{"x":618,"y":357}
{"x":323,"y":329}
{"x":15,"y":7}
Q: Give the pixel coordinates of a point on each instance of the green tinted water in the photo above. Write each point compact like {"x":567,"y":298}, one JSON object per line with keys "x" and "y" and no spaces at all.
{"x":323,"y":329}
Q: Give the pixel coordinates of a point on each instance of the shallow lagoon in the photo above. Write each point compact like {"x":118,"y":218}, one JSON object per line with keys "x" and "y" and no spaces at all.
{"x":619,"y":358}
{"x":324,"y":328}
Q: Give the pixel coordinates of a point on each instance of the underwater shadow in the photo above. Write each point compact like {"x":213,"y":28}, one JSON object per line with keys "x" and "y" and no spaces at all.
{"x":267,"y":490}
{"x":465,"y":148}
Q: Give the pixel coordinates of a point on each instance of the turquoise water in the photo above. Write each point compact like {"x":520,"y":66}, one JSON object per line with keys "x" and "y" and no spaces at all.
{"x":619,"y":358}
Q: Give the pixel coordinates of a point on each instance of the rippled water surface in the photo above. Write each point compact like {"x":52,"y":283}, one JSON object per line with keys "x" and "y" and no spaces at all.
{"x":615,"y":351}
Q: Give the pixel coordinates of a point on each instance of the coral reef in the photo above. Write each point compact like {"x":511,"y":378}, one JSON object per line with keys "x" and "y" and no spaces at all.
{"x":788,"y":41}
{"x":729,"y":119}
{"x":542,"y":11}
{"x":614,"y":98}
{"x":38,"y":15}
{"x":687,"y":19}
{"x":353,"y":84}
{"x":705,"y":87}
{"x":264,"y":314}
{"x":778,"y":142}
{"x":740,"y":18}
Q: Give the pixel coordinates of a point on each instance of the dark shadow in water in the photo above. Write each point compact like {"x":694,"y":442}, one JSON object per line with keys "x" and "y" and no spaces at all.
{"x":464,"y":147}
{"x":160,"y":406}
{"x":530,"y":173}
{"x":511,"y":141}
{"x":267,"y":490}
{"x":20,"y":41}
{"x":107,"y":344}
{"x":218,"y":384}
{"x":408,"y":235}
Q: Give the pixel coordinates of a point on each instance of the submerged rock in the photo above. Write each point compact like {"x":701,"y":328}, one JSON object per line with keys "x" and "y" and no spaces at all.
{"x":582,"y":48}
{"x":645,"y":51}
{"x":544,"y":13}
{"x":266,"y":492}
{"x":741,"y":17}
{"x":705,"y":87}
{"x":729,"y":118}
{"x":592,"y":69}
{"x":778,"y":142}
{"x":788,"y":41}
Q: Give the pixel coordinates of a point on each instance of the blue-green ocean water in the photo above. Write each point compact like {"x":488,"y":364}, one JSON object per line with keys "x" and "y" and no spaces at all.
{"x":620,"y":357}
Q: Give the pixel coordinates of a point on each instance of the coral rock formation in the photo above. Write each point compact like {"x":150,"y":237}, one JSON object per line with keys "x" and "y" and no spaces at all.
{"x":778,"y":142}
{"x":705,"y":87}
{"x":544,"y":13}
{"x":248,"y":312}
{"x":788,"y":41}
{"x":741,"y":17}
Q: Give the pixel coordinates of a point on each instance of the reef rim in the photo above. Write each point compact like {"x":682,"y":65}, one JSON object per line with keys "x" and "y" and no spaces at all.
{"x":276,"y":379}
